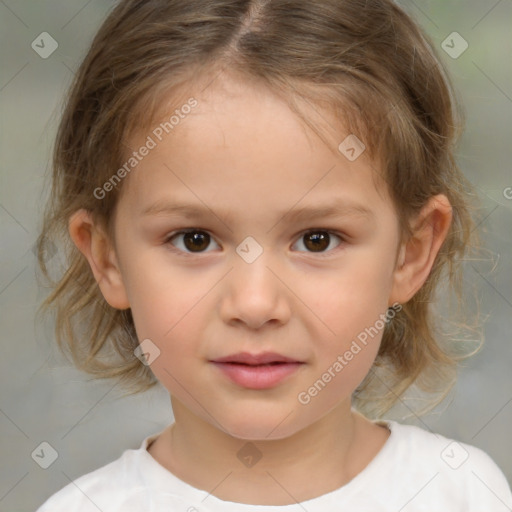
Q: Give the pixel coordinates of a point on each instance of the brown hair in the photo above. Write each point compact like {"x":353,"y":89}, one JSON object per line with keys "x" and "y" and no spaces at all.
{"x":367,"y":62}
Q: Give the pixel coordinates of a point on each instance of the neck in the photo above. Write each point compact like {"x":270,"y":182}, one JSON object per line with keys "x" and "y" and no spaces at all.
{"x":269,"y":471}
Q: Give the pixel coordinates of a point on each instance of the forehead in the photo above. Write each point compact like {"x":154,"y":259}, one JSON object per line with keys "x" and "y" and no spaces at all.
{"x":236,"y":142}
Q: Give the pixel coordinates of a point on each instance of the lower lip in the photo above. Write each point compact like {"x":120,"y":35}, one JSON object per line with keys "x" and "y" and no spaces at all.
{"x":257,"y":377}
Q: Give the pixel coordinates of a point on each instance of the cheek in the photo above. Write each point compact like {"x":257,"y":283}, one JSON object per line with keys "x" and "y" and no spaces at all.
{"x":173,"y":325}
{"x":352,"y":307}
{"x":171,"y":317}
{"x":352,"y":298}
{"x":343,"y":362}
{"x":159,"y":293}
{"x":166,"y":310}
{"x":338,"y":378}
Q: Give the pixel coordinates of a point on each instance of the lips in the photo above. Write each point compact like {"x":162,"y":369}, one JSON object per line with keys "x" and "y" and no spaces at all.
{"x":257,"y":371}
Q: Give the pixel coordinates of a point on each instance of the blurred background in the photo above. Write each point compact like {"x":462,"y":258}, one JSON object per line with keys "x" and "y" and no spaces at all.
{"x":88,"y":424}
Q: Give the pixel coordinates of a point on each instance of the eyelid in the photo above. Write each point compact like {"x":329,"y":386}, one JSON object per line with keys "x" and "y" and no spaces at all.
{"x":297,"y":238}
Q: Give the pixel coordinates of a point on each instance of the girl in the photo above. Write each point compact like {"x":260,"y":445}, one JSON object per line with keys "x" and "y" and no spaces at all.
{"x":262,"y":199}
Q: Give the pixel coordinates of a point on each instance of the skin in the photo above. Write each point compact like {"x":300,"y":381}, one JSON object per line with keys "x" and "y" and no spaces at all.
{"x":246,"y":156}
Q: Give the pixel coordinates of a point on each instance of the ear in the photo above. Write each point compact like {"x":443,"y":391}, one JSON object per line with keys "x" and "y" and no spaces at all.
{"x":417,"y":255}
{"x":95,"y":245}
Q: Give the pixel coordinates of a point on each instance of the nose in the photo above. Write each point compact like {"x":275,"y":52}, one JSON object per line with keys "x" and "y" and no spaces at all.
{"x":254,"y":295}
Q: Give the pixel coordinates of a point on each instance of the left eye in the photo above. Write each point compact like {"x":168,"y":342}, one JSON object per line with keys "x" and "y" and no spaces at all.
{"x":196,"y":240}
{"x":317,"y":240}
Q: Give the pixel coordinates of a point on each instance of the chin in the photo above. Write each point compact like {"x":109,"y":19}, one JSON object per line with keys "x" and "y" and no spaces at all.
{"x":261,"y":427}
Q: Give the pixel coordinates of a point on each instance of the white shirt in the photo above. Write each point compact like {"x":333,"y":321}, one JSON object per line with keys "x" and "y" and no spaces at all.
{"x":415,"y":470}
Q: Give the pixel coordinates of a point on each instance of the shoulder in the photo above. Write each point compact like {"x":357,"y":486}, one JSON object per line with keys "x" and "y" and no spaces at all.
{"x":102,"y":489}
{"x":430,"y":446}
{"x":442,"y":467}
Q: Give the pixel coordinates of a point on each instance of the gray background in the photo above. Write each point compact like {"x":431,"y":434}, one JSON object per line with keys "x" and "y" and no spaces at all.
{"x":44,"y":399}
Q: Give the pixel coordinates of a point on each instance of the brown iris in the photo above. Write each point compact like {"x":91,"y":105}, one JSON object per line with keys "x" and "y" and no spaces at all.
{"x":319,"y":240}
{"x":196,"y":240}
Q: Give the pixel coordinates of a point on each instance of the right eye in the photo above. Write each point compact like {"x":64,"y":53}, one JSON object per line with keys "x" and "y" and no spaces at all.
{"x":193,"y":241}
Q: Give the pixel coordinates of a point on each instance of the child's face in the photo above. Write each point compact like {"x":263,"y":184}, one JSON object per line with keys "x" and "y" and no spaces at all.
{"x":244,"y":159}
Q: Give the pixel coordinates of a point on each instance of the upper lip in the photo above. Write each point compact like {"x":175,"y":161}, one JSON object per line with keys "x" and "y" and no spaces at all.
{"x":255,"y":359}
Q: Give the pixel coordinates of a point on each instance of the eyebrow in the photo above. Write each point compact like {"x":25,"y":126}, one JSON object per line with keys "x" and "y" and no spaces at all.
{"x":190,"y":211}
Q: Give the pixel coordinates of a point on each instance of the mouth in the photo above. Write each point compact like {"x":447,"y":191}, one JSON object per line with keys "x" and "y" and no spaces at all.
{"x":265,"y":358}
{"x":257,"y":371}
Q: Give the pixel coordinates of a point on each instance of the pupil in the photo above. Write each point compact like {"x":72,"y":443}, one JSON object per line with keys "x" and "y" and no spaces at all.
{"x":196,"y":240}
{"x":320,"y":241}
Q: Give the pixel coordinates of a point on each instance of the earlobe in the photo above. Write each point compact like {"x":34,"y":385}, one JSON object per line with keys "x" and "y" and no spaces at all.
{"x":417,"y":255}
{"x":94,"y":244}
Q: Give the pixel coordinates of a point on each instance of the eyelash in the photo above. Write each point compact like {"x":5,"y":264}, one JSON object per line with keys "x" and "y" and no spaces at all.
{"x":321,"y":254}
